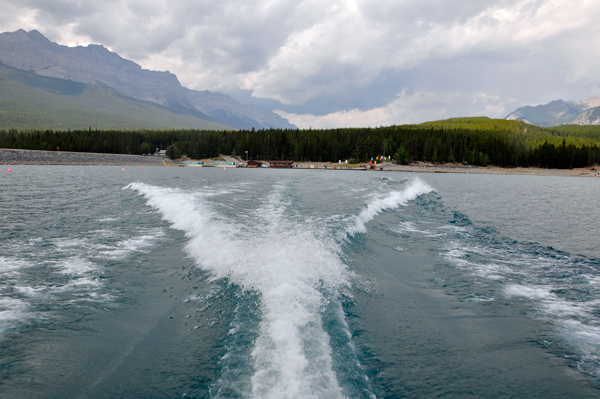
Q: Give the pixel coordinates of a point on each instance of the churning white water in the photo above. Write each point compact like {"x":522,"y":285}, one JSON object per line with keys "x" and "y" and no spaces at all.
{"x":288,"y":266}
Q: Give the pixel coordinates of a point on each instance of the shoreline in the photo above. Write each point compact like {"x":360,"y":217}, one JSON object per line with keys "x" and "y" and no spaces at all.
{"x":38,"y":157}
{"x":422,"y":167}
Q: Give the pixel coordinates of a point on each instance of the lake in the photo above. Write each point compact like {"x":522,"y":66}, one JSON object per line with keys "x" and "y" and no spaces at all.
{"x":259,"y":283}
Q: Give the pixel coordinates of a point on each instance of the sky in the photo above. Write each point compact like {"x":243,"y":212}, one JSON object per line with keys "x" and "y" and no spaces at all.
{"x":338,"y":63}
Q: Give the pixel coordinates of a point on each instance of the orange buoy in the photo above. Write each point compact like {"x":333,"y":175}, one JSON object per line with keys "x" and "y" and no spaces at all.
{"x":10,"y":170}
{"x":123,"y":169}
{"x":142,"y":167}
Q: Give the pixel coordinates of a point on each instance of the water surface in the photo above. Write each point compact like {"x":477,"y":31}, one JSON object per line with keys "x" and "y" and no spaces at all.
{"x":212,"y":283}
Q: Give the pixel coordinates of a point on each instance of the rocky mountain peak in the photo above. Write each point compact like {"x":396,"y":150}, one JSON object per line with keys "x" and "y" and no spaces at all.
{"x":558,"y":112}
{"x":35,"y":35}
{"x":592,"y":102}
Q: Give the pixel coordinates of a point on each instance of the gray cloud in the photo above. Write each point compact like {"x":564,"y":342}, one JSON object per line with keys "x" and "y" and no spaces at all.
{"x":332,"y":59}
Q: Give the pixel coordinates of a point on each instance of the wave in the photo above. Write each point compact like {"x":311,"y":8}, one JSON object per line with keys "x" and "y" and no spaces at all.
{"x":392,"y":200}
{"x":46,"y":273}
{"x":561,"y":288}
{"x":294,"y":272}
{"x":295,"y":268}
{"x":556,"y":286}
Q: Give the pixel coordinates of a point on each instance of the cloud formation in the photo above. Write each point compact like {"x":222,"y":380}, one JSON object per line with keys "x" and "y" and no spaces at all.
{"x":346,"y":62}
{"x":405,"y":109}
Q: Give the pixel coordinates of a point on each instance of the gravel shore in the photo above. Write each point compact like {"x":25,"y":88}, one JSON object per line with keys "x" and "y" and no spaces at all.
{"x":28,"y":157}
{"x":422,"y":167}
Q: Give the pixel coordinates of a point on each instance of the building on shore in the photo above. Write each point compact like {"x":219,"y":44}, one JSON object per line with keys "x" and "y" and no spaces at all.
{"x":223,"y":164}
{"x":281,"y":164}
{"x":192,"y":163}
{"x":254,"y":164}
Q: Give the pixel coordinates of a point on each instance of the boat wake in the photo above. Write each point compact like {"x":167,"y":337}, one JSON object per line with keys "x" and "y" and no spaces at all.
{"x":297,"y":273}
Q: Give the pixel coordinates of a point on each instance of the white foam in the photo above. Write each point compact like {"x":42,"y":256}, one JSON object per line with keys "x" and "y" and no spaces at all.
{"x":392,"y":200}
{"x":586,"y":338}
{"x":480,"y":298}
{"x":288,"y":265}
{"x":409,"y":227}
{"x":10,"y":266}
{"x":87,"y":245}
{"x":12,"y":311}
{"x":75,"y":276}
{"x":81,"y":282}
{"x":104,"y":233}
{"x":535,"y":293}
{"x":76,"y":266}
{"x":456,"y":229}
{"x":133,"y":244}
{"x":68,"y":243}
{"x":495,"y":269}
{"x":552,"y":304}
{"x":576,"y":319}
{"x":595,"y":280}
{"x":28,"y":291}
{"x":108,"y":219}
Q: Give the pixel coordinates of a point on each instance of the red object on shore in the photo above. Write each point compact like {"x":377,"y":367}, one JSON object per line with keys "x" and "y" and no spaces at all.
{"x":281,"y":164}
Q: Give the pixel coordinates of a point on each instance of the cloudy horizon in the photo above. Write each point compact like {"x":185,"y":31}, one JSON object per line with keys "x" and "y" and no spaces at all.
{"x":342,"y":63}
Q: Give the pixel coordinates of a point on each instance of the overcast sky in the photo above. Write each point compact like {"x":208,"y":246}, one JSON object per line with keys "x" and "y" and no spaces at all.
{"x":330,"y":63}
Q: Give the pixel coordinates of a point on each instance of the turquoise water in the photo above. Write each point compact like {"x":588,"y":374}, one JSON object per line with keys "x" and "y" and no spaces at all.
{"x":211,"y":283}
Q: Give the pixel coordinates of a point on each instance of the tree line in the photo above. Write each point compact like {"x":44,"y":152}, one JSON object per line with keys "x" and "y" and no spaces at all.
{"x":406,"y":144}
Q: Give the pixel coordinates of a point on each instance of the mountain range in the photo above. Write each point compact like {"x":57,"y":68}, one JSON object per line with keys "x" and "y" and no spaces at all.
{"x":559,"y":112}
{"x":111,"y":79}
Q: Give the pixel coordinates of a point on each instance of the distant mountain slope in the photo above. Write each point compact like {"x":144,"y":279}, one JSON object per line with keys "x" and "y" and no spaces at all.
{"x":96,"y":65}
{"x":226,"y":110}
{"x":556,"y":113}
{"x":30,"y":101}
{"x":588,"y":117}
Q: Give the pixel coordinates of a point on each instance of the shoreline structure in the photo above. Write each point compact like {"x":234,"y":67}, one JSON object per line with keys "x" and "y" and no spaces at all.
{"x":34,"y":157}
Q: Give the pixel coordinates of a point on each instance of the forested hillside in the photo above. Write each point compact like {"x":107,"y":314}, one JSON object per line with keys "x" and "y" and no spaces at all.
{"x":474,"y":141}
{"x":524,"y":133}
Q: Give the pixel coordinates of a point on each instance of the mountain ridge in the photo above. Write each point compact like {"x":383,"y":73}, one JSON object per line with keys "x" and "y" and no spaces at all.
{"x":559,"y":112}
{"x":96,"y":65}
{"x":34,"y":102}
